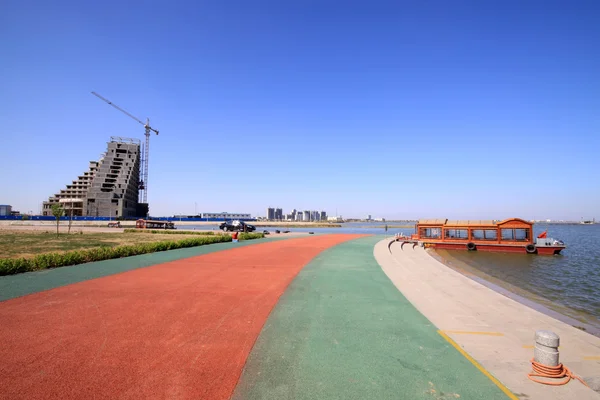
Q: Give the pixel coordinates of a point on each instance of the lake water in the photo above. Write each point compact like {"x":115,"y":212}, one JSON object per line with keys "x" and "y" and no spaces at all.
{"x":376,"y":228}
{"x":568,"y":283}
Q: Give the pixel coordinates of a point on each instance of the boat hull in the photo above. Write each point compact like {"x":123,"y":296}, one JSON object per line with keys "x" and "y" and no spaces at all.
{"x":497,"y":248}
{"x":549,"y":251}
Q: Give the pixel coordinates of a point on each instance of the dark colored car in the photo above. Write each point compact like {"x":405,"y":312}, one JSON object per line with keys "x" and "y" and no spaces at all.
{"x":236,"y":226}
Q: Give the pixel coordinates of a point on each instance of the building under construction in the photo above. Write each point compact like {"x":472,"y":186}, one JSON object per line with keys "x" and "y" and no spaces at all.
{"x":109,"y":188}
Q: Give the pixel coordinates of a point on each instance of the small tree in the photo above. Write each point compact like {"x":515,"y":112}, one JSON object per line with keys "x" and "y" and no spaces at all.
{"x":58,"y":212}
{"x":70,"y":218}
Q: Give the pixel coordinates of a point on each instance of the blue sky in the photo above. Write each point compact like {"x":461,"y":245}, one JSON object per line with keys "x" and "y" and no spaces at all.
{"x":456,"y":109}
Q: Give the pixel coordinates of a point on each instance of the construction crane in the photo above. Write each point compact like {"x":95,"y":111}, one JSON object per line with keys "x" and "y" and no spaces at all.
{"x":143,"y":184}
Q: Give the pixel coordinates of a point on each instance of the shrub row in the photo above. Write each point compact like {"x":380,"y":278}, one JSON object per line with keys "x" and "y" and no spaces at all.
{"x":54,"y":260}
{"x":250,"y":236}
{"x":167,"y":231}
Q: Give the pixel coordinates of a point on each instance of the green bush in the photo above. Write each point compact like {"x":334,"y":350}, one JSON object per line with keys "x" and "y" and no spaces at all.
{"x":54,"y":260}
{"x":13,"y":266}
{"x":168,"y":232}
{"x":250,"y":236}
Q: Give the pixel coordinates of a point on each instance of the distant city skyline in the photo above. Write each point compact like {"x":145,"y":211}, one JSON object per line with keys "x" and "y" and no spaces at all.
{"x":276,"y":213}
{"x":198,"y":209}
{"x":195,"y":209}
{"x":476,"y":110}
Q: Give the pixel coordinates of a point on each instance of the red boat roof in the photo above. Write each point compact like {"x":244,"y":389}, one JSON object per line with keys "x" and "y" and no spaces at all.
{"x":476,"y":222}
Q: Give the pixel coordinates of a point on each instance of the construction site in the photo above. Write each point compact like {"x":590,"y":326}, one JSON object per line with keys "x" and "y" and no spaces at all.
{"x":115,"y":186}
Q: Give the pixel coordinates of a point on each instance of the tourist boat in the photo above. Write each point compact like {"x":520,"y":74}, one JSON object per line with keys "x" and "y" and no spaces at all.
{"x":511,"y":235}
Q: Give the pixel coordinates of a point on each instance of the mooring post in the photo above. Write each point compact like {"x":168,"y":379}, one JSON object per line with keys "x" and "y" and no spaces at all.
{"x":545,"y":351}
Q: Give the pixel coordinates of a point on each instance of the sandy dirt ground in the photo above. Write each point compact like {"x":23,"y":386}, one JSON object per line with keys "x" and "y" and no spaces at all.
{"x":100,"y":229}
{"x":177,"y":223}
{"x":62,"y":228}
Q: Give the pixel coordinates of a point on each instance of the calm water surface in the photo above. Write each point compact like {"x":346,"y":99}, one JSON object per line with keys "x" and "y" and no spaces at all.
{"x":354,"y":227}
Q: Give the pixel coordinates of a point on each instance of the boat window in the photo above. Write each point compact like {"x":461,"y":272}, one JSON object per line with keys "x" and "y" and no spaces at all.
{"x":484,"y":234}
{"x":491,"y":234}
{"x":521,"y":234}
{"x":477,"y":234}
{"x":457,"y":233}
{"x":434,"y":233}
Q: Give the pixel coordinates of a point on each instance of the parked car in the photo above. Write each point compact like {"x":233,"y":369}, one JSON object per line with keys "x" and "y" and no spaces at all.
{"x":236,"y":226}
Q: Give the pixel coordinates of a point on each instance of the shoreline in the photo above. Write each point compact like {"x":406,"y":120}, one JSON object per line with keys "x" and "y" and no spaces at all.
{"x":104,"y":224}
{"x":493,"y":330}
{"x":284,"y":224}
{"x":522,"y":296}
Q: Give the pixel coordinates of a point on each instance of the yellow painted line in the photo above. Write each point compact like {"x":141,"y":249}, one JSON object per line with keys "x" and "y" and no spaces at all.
{"x":504,"y":389}
{"x":592,"y":358}
{"x":475,"y":333}
{"x":528,"y":346}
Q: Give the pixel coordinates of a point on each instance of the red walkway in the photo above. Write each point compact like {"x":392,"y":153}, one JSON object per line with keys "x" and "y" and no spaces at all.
{"x":177,"y":330}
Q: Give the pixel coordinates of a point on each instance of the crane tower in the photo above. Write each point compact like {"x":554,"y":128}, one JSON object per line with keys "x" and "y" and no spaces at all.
{"x":143,"y":185}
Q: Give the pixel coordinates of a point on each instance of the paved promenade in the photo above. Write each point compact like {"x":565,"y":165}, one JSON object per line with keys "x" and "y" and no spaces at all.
{"x":493,"y":329}
{"x":343,"y":331}
{"x":318,"y":317}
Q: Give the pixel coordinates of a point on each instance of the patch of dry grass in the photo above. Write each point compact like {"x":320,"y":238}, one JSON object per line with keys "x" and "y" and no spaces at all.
{"x":15,"y":244}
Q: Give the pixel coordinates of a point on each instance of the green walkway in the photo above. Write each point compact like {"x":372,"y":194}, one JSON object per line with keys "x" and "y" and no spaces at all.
{"x":343,"y":331}
{"x":12,"y":286}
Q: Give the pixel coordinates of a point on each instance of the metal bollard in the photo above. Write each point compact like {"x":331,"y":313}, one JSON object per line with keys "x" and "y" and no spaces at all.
{"x":545,"y":351}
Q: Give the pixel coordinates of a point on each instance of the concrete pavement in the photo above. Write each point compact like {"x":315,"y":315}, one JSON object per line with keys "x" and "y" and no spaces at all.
{"x":493,"y":329}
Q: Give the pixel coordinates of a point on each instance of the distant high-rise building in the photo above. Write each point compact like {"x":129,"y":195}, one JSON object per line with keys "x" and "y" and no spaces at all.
{"x":276,"y":214}
{"x":270,"y":213}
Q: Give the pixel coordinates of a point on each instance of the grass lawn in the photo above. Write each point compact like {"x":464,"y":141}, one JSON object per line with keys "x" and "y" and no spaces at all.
{"x":15,"y":244}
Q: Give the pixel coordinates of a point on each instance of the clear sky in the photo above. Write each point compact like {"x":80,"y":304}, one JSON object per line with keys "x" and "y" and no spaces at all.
{"x":455,"y":109}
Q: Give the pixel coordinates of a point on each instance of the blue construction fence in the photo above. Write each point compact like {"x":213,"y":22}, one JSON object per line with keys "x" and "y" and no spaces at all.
{"x":51,"y":218}
{"x":198,"y":219}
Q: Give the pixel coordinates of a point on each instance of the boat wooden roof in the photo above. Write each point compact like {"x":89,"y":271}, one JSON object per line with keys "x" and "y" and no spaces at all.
{"x":472,"y":222}
{"x":432,"y":221}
